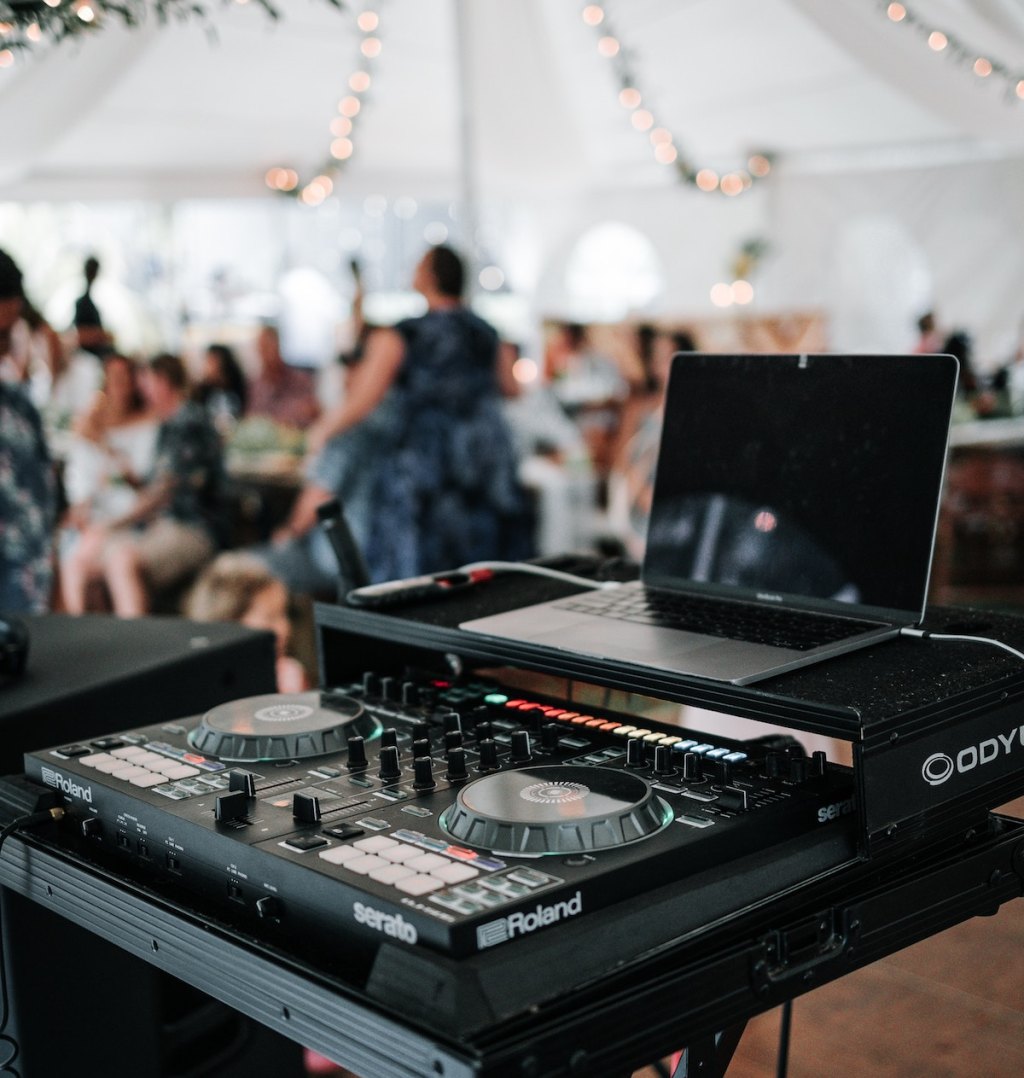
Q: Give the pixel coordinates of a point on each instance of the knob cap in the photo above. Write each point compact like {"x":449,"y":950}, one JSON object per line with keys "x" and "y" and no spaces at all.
{"x":488,"y":755}
{"x":389,"y":766}
{"x":521,"y":751}
{"x":663,"y":761}
{"x":410,"y":694}
{"x":457,"y":766}
{"x":357,"y":754}
{"x":635,"y":753}
{"x":691,"y":767}
{"x":390,"y":688}
{"x":484,"y":730}
{"x":798,"y":768}
{"x":389,"y":738}
{"x":242,"y":781}
{"x":231,"y":806}
{"x":306,"y":808}
{"x":819,"y":763}
{"x":423,"y":770}
{"x":773,"y":764}
{"x":452,"y":740}
{"x":421,"y":747}
{"x":420,"y":730}
{"x":549,"y":735}
{"x":452,"y":722}
{"x":371,"y":684}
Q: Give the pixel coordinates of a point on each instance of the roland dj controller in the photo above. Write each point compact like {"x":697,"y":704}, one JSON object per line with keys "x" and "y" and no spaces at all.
{"x":457,"y":817}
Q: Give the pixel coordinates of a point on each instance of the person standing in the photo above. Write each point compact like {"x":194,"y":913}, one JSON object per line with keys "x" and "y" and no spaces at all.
{"x":27,"y":485}
{"x":446,"y":487}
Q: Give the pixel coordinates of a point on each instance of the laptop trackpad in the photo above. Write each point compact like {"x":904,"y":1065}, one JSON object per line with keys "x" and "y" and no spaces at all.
{"x":627,"y":641}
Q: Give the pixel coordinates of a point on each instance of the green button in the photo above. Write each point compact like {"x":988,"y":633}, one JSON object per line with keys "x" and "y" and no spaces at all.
{"x":496,"y":698}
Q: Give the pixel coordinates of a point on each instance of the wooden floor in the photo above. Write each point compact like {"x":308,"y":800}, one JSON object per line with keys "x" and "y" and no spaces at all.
{"x":949,"y":1007}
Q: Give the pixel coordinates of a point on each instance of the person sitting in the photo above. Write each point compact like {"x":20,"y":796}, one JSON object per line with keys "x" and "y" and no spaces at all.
{"x":281,"y":392}
{"x":237,"y":586}
{"x":222,"y":390}
{"x":112,"y":448}
{"x":174,"y":526}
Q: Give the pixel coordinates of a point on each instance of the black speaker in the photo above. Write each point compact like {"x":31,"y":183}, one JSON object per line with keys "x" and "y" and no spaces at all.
{"x":97,"y":674}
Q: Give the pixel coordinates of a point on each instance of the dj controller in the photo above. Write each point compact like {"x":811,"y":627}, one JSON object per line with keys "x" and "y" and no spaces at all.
{"x":451,"y":816}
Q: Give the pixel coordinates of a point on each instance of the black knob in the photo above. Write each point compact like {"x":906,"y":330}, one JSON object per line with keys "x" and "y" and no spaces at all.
{"x":819,"y":763}
{"x":452,"y":722}
{"x":484,"y":731}
{"x":389,"y":766}
{"x":457,"y":766}
{"x":452,"y":740}
{"x":691,"y":767}
{"x":723,"y":772}
{"x":410,"y":694}
{"x":635,"y":753}
{"x":371,"y":684}
{"x":481,"y":713}
{"x":306,"y":808}
{"x":488,"y":755}
{"x":357,"y":754}
{"x":549,"y":735}
{"x":420,"y":730}
{"x":663,"y":761}
{"x":423,"y":772}
{"x":242,"y":781}
{"x":421,"y":747}
{"x":521,"y":750}
{"x":798,"y":768}
{"x":773,"y":764}
{"x":230,"y":807}
{"x":389,"y":688}
{"x":389,"y":738}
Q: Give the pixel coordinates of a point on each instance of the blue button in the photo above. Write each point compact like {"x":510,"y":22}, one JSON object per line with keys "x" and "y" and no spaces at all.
{"x":683,"y":746}
{"x":716,"y":754}
{"x":701,"y":749}
{"x":736,"y":757}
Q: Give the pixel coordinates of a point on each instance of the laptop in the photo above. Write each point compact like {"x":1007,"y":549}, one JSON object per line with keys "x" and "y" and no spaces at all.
{"x":793,"y":518}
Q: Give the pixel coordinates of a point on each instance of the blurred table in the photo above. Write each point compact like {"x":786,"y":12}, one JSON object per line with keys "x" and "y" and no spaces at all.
{"x":979,"y":556}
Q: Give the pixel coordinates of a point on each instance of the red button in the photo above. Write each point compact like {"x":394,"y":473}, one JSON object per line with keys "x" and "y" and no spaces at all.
{"x":461,"y":853}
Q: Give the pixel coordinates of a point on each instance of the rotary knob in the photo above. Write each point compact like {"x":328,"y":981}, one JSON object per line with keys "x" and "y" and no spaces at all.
{"x":663,"y":761}
{"x":457,"y":766}
{"x":635,"y":753}
{"x":357,"y":754}
{"x":521,"y":750}
{"x":691,"y":768}
{"x":423,"y":772}
{"x":488,"y":755}
{"x":389,"y":765}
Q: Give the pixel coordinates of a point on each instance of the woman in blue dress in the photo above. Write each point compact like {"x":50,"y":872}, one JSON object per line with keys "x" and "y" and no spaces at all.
{"x":445,"y":486}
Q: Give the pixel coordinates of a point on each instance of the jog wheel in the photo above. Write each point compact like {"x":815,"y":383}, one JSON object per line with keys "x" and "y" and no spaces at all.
{"x":280,"y":726}
{"x":556,"y":810}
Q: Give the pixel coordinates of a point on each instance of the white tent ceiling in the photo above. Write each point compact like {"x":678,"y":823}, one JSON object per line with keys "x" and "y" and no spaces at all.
{"x":166,"y":112}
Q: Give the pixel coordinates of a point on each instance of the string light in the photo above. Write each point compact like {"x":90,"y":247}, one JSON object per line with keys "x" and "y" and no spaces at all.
{"x":342,"y":145}
{"x":663,"y":144}
{"x":942,"y":41}
{"x":32,"y":21}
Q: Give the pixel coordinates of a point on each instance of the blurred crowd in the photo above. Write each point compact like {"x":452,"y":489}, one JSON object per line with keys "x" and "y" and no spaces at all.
{"x":127,"y":484}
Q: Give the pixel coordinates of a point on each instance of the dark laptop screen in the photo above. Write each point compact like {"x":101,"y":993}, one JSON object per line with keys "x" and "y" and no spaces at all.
{"x":815,"y":477}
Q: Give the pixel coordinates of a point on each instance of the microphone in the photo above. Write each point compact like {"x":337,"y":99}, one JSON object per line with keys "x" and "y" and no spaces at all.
{"x":351,"y":563}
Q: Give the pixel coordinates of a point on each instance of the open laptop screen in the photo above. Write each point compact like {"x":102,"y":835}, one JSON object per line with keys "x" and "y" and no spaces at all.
{"x":814,"y":478}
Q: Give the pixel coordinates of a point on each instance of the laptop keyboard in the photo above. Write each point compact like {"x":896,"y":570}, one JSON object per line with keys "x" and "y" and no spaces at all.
{"x":715,"y":617}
